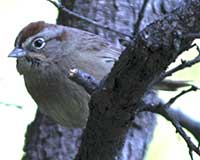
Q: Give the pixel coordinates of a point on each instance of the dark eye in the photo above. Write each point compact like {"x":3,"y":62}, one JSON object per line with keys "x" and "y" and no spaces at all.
{"x":38,"y":43}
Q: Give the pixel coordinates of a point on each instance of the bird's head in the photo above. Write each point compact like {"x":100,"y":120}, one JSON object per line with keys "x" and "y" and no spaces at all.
{"x":38,"y":42}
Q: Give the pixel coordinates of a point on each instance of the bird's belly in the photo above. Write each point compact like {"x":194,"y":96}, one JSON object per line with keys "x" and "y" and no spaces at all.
{"x":61,"y":99}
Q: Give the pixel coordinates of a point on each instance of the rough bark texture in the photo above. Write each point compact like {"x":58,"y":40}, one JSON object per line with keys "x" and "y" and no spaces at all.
{"x":115,"y":14}
{"x":110,"y":133}
{"x":138,"y":67}
{"x":46,"y":140}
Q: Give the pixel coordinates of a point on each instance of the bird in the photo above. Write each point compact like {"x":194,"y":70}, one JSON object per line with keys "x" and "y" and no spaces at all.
{"x":45,"y":55}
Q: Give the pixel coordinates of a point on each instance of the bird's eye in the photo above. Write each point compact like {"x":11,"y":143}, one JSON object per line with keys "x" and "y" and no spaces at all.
{"x":38,"y":43}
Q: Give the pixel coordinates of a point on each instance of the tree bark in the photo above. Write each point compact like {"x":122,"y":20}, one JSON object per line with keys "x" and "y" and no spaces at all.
{"x":139,"y":66}
{"x":112,"y":133}
{"x":115,"y":14}
{"x":46,"y":140}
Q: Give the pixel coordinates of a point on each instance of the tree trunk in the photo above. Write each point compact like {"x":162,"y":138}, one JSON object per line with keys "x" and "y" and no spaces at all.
{"x":47,"y":140}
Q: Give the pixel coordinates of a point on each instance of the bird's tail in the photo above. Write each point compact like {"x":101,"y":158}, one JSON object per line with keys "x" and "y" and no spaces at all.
{"x":171,"y":85}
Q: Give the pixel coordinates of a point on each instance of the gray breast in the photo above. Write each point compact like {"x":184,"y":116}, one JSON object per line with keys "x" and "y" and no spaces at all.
{"x":57,"y":96}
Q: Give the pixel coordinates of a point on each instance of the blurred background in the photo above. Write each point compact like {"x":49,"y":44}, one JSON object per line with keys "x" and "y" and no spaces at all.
{"x":14,"y":15}
{"x":17,"y":109}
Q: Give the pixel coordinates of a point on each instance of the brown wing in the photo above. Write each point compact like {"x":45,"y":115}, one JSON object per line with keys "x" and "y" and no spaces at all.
{"x":93,"y":54}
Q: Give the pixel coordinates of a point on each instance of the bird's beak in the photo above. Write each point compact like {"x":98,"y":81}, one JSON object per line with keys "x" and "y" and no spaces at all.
{"x":17,"y":53}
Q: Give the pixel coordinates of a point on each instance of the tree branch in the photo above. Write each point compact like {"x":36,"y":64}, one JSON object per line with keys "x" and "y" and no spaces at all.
{"x":183,"y":65}
{"x":61,"y":7}
{"x":88,"y":82}
{"x":112,"y":108}
{"x":177,"y":118}
{"x":140,"y":17}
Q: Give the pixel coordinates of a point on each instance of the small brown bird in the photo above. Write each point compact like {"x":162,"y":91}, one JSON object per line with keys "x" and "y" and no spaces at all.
{"x":46,"y":52}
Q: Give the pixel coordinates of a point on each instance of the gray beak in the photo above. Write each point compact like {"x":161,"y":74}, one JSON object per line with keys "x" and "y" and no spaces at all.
{"x":17,"y":53}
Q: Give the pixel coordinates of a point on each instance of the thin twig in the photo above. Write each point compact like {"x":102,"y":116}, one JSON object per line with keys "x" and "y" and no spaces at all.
{"x":191,"y":155}
{"x":88,"y":82}
{"x":12,"y":105}
{"x":140,"y":17}
{"x":183,"y":65}
{"x":164,"y":112}
{"x":172,"y":100}
{"x":163,"y":109}
{"x":176,"y":124}
{"x":71,"y":13}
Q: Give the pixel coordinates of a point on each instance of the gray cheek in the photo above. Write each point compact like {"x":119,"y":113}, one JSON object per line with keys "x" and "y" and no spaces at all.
{"x":55,"y":47}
